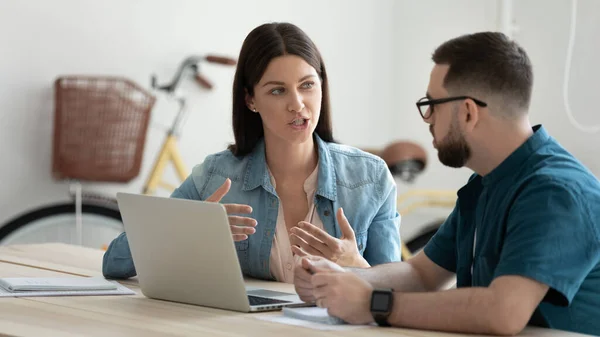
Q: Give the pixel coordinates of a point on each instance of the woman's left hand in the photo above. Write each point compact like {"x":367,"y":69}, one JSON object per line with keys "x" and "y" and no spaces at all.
{"x":307,"y":239}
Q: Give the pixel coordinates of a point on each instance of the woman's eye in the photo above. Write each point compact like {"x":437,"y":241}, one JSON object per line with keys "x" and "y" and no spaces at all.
{"x":308,"y":85}
{"x":277,"y":91}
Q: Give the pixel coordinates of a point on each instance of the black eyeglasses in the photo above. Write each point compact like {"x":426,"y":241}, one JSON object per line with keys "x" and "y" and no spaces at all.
{"x":425,"y":105}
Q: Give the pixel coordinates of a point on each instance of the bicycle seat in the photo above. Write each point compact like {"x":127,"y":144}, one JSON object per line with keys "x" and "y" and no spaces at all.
{"x":404,"y":159}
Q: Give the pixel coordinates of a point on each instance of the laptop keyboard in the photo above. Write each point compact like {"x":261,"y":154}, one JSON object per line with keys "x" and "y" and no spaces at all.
{"x":255,"y":300}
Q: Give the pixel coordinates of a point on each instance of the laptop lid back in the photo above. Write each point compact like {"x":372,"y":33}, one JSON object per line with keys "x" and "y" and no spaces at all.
{"x":183,"y":251}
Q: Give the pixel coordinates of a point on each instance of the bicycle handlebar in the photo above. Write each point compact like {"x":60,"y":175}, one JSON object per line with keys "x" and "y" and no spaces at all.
{"x":193,"y":63}
{"x":220,"y":59}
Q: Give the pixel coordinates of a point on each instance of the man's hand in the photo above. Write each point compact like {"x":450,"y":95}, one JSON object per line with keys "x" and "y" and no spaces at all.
{"x":303,"y":271}
{"x":240,"y":226}
{"x":345,"y":295}
{"x":307,"y":239}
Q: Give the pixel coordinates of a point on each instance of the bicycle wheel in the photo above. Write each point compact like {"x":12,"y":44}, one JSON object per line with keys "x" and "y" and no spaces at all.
{"x":57,"y":223}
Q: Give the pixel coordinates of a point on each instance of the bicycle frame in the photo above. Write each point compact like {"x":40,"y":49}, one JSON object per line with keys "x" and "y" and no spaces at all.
{"x":432,"y":198}
{"x":169,"y":153}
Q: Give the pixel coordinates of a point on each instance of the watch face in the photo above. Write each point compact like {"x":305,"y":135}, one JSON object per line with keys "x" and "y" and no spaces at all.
{"x":380,"y":302}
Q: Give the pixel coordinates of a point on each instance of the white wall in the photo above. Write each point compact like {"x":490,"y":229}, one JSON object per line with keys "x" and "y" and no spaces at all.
{"x":376,"y":51}
{"x":545,"y":37}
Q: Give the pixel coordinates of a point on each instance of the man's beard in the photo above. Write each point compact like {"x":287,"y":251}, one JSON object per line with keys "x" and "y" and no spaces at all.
{"x":453,"y":150}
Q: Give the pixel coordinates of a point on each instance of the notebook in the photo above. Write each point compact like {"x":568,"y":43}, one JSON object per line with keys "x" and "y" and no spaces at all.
{"x":64,"y":286}
{"x":313,"y":314}
{"x":17,"y":284}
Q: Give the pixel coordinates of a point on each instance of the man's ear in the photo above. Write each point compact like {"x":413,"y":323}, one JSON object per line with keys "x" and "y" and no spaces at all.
{"x":249,"y":101}
{"x":470,"y":114}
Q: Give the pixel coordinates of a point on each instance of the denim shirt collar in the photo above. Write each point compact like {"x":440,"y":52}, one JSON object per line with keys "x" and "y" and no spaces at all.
{"x":257,"y":174}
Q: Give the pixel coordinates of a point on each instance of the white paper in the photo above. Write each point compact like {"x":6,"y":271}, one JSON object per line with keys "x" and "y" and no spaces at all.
{"x":121,"y":290}
{"x":308,"y":324}
{"x":17,"y":284}
{"x":313,"y":314}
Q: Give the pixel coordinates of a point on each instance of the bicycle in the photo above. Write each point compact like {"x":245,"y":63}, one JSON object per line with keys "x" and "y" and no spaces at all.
{"x":120,"y":99}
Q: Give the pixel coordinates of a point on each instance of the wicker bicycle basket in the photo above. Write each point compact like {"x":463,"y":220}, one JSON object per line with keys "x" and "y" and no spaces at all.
{"x":100,"y":126}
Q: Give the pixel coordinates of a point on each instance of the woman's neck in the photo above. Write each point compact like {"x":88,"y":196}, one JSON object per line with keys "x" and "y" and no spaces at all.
{"x":291,"y":160}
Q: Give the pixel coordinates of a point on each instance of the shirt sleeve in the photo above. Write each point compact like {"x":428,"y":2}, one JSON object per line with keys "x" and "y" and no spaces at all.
{"x":550,"y":238}
{"x":117,"y":262}
{"x":187,"y":190}
{"x":383,"y":238}
{"x":441,"y":249}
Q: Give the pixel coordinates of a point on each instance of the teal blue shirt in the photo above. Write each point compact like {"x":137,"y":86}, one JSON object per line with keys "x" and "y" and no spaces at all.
{"x":359,"y":182}
{"x":536,"y":215}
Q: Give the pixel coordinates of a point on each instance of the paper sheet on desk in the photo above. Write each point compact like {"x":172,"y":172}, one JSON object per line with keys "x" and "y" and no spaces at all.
{"x":121,"y":290}
{"x":308,"y":324}
{"x":310,"y":317}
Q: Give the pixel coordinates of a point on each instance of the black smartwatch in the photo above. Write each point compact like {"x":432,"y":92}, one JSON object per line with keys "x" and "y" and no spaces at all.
{"x":382,"y":302}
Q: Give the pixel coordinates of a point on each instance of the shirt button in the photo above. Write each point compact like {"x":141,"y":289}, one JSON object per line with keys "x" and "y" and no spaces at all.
{"x":360,"y":246}
{"x":289,"y":266}
{"x":273,"y":202}
{"x":326,"y":213}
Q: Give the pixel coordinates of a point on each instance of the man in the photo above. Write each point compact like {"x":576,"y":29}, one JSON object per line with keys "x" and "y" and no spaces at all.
{"x":524,"y":237}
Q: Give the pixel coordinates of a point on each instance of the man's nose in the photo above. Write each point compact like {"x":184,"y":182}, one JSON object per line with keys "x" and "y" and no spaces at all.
{"x":429,"y":119}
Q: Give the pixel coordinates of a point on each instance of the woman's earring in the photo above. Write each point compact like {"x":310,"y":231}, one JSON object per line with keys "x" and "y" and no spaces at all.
{"x":254,"y":109}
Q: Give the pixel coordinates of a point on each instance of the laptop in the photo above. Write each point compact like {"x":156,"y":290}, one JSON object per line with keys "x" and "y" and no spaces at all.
{"x":183,"y":252}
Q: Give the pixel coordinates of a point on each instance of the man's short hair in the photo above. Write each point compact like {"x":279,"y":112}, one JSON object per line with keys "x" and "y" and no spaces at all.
{"x":490,"y":65}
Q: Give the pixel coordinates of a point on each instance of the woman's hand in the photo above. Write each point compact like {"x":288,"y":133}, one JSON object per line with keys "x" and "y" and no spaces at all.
{"x":240,"y":226}
{"x":307,"y":239}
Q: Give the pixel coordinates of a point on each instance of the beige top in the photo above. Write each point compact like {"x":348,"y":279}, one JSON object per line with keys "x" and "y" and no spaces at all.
{"x":282,"y":259}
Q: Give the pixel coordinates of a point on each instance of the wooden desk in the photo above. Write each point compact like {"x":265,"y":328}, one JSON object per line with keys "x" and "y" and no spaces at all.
{"x":137,"y":315}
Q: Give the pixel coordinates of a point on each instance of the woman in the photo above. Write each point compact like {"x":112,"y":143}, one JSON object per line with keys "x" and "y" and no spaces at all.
{"x":284,"y":177}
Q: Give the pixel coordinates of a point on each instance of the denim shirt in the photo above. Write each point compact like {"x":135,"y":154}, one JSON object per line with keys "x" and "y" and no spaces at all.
{"x":357,"y":181}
